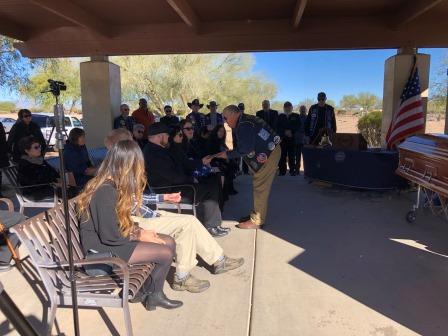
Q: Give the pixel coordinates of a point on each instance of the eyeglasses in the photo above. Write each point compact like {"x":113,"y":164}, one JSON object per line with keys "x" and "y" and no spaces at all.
{"x":35,"y":147}
{"x":188,"y":128}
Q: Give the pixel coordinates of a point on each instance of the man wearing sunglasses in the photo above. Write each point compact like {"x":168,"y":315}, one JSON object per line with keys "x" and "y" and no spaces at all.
{"x":124,"y":120}
{"x":24,"y":127}
{"x":169,"y":119}
{"x":320,"y":117}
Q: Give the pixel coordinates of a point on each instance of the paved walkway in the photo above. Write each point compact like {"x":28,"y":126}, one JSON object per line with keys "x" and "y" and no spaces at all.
{"x":329,"y":262}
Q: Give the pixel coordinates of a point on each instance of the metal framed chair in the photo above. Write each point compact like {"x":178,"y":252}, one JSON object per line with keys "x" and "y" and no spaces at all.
{"x":44,"y":236}
{"x":4,"y":231}
{"x":11,"y":173}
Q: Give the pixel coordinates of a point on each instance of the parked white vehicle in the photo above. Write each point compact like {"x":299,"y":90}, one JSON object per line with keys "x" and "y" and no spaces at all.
{"x":7,"y":124}
{"x":46,"y":124}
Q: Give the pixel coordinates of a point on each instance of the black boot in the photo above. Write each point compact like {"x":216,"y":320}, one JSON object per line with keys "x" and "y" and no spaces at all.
{"x":159,"y":299}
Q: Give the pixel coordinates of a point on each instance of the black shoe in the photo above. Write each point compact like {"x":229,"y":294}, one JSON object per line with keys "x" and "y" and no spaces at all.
{"x":281,"y":174}
{"x":223,"y":229}
{"x":159,"y":299}
{"x":215,"y":232}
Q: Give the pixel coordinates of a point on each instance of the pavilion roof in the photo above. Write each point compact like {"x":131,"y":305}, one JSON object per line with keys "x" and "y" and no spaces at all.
{"x":63,"y":28}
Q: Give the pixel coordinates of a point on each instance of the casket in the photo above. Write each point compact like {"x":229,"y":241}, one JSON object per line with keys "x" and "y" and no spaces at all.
{"x":423,"y":159}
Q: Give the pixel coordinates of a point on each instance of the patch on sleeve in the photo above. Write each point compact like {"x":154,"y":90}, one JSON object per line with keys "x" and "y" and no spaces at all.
{"x":264,"y":134}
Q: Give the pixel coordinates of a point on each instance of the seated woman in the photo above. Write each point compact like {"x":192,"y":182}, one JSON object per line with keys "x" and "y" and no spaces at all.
{"x":138,"y":133}
{"x":34,"y":170}
{"x":76,"y":157}
{"x":217,"y":143}
{"x":177,"y":148}
{"x":106,"y":225}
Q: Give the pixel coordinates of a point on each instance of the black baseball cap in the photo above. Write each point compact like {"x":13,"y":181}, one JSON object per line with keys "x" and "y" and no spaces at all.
{"x":158,"y":128}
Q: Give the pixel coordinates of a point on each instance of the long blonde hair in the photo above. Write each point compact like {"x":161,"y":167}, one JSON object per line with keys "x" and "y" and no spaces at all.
{"x":124,"y":166}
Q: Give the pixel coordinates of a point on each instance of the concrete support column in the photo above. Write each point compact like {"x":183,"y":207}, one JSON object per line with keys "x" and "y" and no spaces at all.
{"x":396,"y":73}
{"x":101,"y":98}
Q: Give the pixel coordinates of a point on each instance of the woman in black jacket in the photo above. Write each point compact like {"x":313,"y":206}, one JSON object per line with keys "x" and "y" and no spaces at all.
{"x":23,"y":128}
{"x":33,"y":170}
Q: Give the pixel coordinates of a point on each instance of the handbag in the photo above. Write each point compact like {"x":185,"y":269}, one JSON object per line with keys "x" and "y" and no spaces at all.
{"x":98,"y":269}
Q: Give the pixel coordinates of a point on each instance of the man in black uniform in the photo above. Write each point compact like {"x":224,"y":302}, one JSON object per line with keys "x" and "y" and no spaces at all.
{"x":268,"y":115}
{"x":320,"y":117}
{"x":288,"y":124}
{"x":258,"y":145}
{"x":169,"y":119}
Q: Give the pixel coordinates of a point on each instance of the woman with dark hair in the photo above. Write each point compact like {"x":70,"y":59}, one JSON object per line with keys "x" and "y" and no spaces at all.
{"x":34,"y":170}
{"x":76,"y":157}
{"x":177,"y":148}
{"x":24,"y":127}
{"x":105,"y":208}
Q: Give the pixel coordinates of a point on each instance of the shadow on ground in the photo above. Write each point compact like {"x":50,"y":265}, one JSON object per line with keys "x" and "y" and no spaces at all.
{"x":347,"y":237}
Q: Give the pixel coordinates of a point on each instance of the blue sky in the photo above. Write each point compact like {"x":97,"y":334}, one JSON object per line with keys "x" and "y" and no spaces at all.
{"x":301,"y":75}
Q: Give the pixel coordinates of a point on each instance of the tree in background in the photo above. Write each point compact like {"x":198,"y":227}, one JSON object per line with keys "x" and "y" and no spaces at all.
{"x":62,"y":69}
{"x":178,"y":79}
{"x":369,"y":126}
{"x":14,"y":69}
{"x":7,"y":106}
{"x":438,"y":90}
{"x":365,"y":100}
{"x":348,"y":102}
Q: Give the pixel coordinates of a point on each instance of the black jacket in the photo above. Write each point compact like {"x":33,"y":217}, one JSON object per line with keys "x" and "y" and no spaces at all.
{"x":170,"y":120}
{"x":289,"y":122}
{"x":32,"y":174}
{"x":270,"y":117}
{"x":179,"y":155}
{"x":21,"y":130}
{"x":162,"y":169}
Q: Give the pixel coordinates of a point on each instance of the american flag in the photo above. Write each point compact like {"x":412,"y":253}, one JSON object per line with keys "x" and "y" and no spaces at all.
{"x":409,"y":118}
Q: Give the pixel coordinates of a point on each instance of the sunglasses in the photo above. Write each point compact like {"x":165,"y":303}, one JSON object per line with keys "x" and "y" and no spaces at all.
{"x":27,"y":116}
{"x":168,"y":111}
{"x":188,"y":128}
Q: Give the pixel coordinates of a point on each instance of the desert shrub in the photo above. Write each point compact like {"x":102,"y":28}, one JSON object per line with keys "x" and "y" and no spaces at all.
{"x":370,"y":127}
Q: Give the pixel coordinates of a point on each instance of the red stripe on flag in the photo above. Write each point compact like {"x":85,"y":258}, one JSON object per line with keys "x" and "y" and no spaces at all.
{"x":404,"y":134}
{"x":406,"y":108}
{"x":412,"y":117}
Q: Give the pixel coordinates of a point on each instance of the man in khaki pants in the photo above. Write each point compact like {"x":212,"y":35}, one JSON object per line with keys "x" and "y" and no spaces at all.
{"x":259,"y":146}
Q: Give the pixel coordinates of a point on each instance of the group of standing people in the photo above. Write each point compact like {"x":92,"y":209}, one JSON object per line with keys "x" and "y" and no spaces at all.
{"x":298,"y":129}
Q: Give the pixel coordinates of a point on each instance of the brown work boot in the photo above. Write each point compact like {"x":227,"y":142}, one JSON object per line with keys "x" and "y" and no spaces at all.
{"x":191,"y":284}
{"x":227,"y":264}
{"x":248,"y":225}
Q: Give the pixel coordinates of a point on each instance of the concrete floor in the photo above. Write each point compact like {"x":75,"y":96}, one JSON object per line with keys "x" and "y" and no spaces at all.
{"x":328,"y":262}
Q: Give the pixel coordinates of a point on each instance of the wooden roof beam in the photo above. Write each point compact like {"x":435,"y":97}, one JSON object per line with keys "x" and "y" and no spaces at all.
{"x":13,"y":30}
{"x":184,"y":10}
{"x":298,"y":13}
{"x":412,"y":10}
{"x":75,"y":14}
